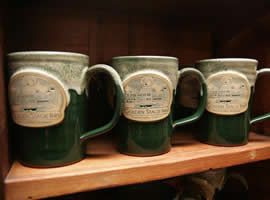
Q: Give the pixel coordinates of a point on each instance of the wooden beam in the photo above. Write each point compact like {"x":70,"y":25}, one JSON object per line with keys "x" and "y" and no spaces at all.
{"x":104,"y":167}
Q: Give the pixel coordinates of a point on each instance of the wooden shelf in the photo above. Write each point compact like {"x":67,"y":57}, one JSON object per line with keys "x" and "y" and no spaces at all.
{"x":104,"y":167}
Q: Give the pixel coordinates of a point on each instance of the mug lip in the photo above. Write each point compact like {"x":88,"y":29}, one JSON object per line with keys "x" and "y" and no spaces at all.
{"x":227,"y":60}
{"x":145,"y":56}
{"x":46,"y":53}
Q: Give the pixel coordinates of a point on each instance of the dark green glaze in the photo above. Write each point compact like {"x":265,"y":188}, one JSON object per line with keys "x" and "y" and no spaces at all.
{"x":56,"y":145}
{"x":152,"y":138}
{"x":226,"y":130}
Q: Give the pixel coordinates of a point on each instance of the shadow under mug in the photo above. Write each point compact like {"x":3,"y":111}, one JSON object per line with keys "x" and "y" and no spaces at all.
{"x":48,"y":103}
{"x":146,"y":125}
{"x":230,"y":83}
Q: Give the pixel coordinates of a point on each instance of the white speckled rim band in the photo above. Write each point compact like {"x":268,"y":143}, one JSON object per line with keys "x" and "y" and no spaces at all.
{"x":227,"y":60}
{"x":65,"y":66}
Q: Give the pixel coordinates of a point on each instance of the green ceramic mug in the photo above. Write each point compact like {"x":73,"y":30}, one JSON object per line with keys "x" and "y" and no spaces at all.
{"x":230,"y":83}
{"x":48,"y":103}
{"x":146,"y":125}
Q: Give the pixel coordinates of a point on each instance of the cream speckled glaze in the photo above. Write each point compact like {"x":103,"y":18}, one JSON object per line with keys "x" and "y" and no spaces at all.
{"x":126,"y":65}
{"x":66,"y":67}
{"x":245,"y":66}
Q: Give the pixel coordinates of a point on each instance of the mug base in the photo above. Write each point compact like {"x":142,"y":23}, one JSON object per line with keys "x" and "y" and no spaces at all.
{"x":144,"y":154}
{"x":224,"y":145}
{"x":49,"y":166}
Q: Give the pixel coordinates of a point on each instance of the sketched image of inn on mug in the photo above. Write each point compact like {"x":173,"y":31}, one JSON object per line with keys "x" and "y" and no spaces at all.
{"x":48,"y":103}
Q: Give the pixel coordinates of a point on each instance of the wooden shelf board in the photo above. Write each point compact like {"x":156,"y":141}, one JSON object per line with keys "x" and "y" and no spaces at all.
{"x":104,"y":167}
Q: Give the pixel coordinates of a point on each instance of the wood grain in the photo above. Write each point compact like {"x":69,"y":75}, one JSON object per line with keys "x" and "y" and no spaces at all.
{"x":112,"y":36}
{"x":103,"y":35}
{"x":47,"y":29}
{"x":105,"y":167}
{"x":149,"y":35}
{"x":5,"y":161}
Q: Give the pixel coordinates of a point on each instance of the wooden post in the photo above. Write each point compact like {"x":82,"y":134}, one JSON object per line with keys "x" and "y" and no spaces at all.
{"x":5,"y":162}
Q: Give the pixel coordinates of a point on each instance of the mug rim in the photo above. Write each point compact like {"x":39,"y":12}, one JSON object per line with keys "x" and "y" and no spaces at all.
{"x":145,"y":56}
{"x":46,"y":53}
{"x":227,"y":60}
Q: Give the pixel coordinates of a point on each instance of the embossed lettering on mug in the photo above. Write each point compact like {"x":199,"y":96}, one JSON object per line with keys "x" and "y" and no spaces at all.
{"x":36,"y":100}
{"x":228,"y":93}
{"x":148,"y":97}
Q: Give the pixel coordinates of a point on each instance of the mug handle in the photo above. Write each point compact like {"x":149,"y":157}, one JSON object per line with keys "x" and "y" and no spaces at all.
{"x":182,"y":73}
{"x":265,"y":116}
{"x":90,"y":72}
